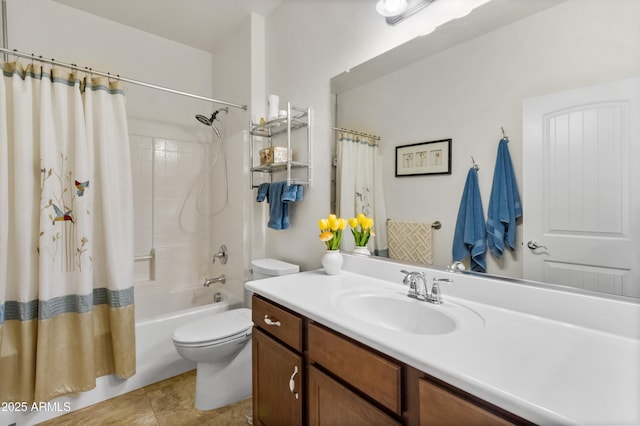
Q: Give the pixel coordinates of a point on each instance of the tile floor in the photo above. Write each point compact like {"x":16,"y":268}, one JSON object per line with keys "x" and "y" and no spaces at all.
{"x":166,"y":403}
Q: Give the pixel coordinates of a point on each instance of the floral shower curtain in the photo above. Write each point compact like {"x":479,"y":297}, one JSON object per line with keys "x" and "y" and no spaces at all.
{"x":359,"y":188}
{"x":66,"y":226}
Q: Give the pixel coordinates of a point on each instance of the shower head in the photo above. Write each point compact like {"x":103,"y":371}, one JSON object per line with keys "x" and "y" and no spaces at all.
{"x":208,"y":121}
{"x":204,"y":120}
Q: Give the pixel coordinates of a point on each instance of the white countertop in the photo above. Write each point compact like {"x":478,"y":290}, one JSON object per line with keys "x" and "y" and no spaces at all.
{"x":545,"y":370}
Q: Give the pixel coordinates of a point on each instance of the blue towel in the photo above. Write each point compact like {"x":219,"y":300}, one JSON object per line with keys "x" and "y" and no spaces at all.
{"x":291,"y":193}
{"x":470,"y":234}
{"x":263,"y":189}
{"x":504,"y":204}
{"x":279,"y":195}
{"x":278,"y":210}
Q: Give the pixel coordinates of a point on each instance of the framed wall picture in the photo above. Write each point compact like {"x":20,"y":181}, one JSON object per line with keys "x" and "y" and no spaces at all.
{"x":424,"y":158}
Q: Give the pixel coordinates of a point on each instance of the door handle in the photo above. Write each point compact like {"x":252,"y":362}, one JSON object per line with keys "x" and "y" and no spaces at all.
{"x":292,"y":383}
{"x":533,"y":245}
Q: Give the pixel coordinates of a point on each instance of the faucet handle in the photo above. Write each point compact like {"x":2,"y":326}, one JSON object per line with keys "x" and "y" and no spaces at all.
{"x":456,"y":266}
{"x":436,"y":292}
{"x":411,"y":280}
{"x":221,"y":254}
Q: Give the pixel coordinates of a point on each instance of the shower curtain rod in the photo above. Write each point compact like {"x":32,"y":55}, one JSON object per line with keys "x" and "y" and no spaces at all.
{"x":16,"y":53}
{"x":355,"y":132}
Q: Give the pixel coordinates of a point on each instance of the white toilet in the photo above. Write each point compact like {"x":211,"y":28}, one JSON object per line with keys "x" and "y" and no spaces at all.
{"x":220,"y":344}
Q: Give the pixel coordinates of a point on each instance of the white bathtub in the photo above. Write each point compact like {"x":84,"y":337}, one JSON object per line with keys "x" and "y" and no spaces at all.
{"x":158,"y":313}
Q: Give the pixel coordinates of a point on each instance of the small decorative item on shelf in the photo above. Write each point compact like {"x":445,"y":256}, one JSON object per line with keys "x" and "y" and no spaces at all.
{"x":274,"y":154}
{"x":362,"y":230}
{"x":331,"y":233}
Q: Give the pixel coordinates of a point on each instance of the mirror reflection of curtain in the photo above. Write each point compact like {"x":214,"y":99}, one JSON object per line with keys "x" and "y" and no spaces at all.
{"x":66,"y":245}
{"x":359,"y":188}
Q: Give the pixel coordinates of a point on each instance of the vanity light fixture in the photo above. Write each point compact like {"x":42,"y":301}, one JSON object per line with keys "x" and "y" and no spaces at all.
{"x":396,"y":11}
{"x":391,"y":7}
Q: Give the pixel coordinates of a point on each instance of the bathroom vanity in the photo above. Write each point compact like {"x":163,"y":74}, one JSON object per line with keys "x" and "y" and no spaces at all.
{"x":353,"y":349}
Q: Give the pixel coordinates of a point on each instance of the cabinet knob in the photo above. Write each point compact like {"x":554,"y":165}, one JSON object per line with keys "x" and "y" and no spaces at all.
{"x":292,"y":383}
{"x":269,"y":321}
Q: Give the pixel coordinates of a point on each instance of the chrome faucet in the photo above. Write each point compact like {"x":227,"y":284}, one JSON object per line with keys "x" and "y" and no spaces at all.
{"x":434,"y":296}
{"x":411,"y":279}
{"x":221,"y":279}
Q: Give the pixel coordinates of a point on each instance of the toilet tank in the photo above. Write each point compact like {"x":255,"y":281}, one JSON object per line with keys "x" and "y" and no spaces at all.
{"x":267,"y":268}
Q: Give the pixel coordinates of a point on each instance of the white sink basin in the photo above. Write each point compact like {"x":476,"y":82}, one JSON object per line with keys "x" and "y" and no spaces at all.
{"x":392,"y":309}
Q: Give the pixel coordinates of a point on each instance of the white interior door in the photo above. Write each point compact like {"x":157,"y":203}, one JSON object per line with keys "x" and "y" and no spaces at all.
{"x":581,"y":184}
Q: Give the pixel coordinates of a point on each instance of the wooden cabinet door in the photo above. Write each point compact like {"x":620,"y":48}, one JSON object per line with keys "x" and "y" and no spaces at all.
{"x":277,"y":383}
{"x":332,"y":404}
{"x":439,"y":407}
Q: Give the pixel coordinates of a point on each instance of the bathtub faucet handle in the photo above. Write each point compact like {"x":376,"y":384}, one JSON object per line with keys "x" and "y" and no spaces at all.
{"x":221,"y":254}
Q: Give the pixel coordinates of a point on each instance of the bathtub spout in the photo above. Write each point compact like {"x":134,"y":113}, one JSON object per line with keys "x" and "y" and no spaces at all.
{"x":221,"y":279}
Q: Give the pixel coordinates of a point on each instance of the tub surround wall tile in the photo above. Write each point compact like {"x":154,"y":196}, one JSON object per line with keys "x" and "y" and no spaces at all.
{"x":164,"y":172}
{"x":176,"y":266}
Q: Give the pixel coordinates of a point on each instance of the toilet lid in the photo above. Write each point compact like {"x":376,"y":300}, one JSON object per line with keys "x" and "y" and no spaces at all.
{"x":215,"y":327}
{"x":274,"y":267}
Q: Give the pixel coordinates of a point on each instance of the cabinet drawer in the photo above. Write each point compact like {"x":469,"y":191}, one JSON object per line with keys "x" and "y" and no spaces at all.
{"x":372,"y":374}
{"x":440,"y":407}
{"x":278,"y":322}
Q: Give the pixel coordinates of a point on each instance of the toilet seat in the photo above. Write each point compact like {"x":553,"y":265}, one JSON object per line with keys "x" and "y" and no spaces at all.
{"x":215,"y":329}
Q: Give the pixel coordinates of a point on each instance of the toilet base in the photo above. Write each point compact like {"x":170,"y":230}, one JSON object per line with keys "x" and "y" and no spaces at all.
{"x":218,"y":385}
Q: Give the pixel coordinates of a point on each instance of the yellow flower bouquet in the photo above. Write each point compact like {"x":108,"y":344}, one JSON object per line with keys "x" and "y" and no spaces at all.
{"x":362,"y":229}
{"x":331,"y":231}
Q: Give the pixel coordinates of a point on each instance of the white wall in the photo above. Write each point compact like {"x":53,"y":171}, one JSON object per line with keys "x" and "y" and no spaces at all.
{"x":469,"y":91}
{"x":232,"y":80}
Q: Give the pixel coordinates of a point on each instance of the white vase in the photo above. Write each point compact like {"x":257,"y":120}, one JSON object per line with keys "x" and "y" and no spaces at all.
{"x":361,"y":251}
{"x":332,"y":262}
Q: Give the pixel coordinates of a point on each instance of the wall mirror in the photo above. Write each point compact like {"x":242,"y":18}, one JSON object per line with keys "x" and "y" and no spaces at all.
{"x":475,"y":76}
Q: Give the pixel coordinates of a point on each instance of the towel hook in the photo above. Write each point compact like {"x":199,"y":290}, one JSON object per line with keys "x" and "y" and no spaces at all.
{"x":504,"y":135}
{"x":475,"y":166}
